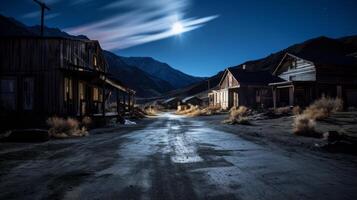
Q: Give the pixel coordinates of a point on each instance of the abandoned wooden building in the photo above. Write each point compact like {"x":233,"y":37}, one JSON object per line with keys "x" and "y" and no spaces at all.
{"x":46,"y":76}
{"x":239,"y":86}
{"x":309,"y":77}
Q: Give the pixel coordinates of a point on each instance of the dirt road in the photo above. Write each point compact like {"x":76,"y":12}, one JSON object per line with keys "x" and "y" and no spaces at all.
{"x":169,"y":157}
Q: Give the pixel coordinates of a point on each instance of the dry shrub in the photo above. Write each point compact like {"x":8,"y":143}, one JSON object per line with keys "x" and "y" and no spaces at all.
{"x":62,"y":128}
{"x":151,"y":111}
{"x":181,"y":108}
{"x":323,"y":108}
{"x":282,"y":110}
{"x":211,"y":110}
{"x":297,"y":110}
{"x":305,"y":122}
{"x":187,"y":110}
{"x":305,"y":126}
{"x":238,"y":115}
{"x":241,"y":111}
{"x":194,"y":111}
{"x":86,"y":121}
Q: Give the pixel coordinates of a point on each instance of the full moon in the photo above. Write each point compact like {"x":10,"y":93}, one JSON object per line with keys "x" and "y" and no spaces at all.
{"x":177,"y":28}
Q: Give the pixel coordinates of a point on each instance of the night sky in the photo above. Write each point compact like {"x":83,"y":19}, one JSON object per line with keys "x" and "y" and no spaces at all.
{"x":216,"y":33}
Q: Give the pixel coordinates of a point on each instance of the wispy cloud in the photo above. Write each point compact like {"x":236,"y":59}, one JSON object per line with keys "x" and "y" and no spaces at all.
{"x":51,"y":1}
{"x":143,"y":21}
{"x":36,"y":14}
{"x":77,"y":2}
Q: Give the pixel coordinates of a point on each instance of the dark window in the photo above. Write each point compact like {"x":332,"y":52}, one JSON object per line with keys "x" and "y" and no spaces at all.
{"x":293,"y":65}
{"x":28,"y":93}
{"x":8,"y":94}
{"x":68,"y":91}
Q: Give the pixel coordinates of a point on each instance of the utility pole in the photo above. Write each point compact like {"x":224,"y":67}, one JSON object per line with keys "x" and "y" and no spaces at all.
{"x":43,"y":8}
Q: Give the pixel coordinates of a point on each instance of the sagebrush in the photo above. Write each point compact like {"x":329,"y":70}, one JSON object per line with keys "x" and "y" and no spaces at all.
{"x":305,"y":121}
{"x":238,"y":115}
{"x":193,"y":111}
{"x":62,"y":128}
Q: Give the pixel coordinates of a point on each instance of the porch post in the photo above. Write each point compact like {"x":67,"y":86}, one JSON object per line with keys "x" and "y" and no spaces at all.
{"x":124,"y":106}
{"x":274,"y":96}
{"x":129,"y":101}
{"x":291,"y":96}
{"x":103,"y":100}
{"x":118,"y":101}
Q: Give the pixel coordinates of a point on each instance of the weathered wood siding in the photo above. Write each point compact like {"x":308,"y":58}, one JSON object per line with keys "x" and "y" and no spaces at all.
{"x":42,"y":59}
{"x":228,"y":81}
{"x":296,"y":69}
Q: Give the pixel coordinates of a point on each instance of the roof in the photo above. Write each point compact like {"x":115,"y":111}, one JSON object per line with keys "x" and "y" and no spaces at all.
{"x":321,"y":59}
{"x":189,"y":98}
{"x":47,"y":38}
{"x":245,"y":77}
{"x":329,"y":59}
{"x":170,"y":99}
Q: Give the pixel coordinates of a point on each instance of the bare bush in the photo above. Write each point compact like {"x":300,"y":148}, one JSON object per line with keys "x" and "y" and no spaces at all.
{"x":305,"y":126}
{"x":62,"y":128}
{"x":305,"y":122}
{"x":297,"y":110}
{"x":236,"y":112}
{"x":238,"y":115}
{"x":282,"y":111}
{"x":194,"y":111}
{"x":323,"y":108}
{"x":151,"y":110}
{"x":86,"y":122}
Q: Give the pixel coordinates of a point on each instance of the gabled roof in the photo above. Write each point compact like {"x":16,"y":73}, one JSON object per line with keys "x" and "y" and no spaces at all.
{"x":319,"y":59}
{"x":189,"y":98}
{"x":170,"y":99}
{"x":246,"y":77}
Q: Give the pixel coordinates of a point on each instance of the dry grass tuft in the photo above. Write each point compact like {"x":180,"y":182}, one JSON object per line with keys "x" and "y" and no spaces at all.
{"x":86,"y":121}
{"x":151,"y":110}
{"x":63,"y":128}
{"x":323,"y":108}
{"x":305,"y":126}
{"x":297,"y":110}
{"x":238,"y":115}
{"x":194,"y":111}
{"x":282,"y":111}
{"x":305,"y":122}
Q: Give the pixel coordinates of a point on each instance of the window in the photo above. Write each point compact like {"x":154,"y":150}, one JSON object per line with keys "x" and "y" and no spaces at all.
{"x":81,"y":91}
{"x":97,"y":94}
{"x":8,"y":94}
{"x":293,"y":64}
{"x":95,"y":63}
{"x":230,"y":83}
{"x":28,"y":93}
{"x":68,"y":91}
{"x":292,"y":78}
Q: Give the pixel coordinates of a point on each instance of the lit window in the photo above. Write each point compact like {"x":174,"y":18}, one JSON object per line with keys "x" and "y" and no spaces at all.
{"x":97,"y":94}
{"x":81,"y":90}
{"x":95,"y":61}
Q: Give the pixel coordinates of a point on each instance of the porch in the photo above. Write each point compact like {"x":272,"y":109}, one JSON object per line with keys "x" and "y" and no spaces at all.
{"x":290,"y":93}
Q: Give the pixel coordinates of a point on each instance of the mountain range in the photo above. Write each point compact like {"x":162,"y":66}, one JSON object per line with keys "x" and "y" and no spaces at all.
{"x":316,"y":47}
{"x":152,"y":78}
